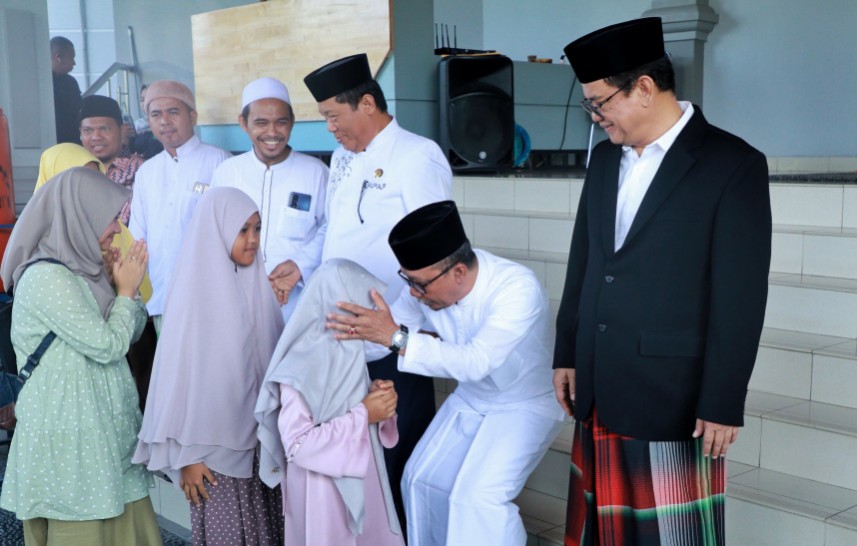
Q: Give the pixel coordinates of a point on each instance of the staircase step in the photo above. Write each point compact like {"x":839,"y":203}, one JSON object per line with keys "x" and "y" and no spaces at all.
{"x":810,"y":366}
{"x":772,"y":508}
{"x":818,"y":305}
{"x":763,"y":508}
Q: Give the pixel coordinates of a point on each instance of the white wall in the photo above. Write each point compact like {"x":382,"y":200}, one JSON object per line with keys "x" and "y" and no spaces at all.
{"x":780,"y":73}
{"x":783,"y":75}
{"x":26,"y":89}
{"x":163,"y":34}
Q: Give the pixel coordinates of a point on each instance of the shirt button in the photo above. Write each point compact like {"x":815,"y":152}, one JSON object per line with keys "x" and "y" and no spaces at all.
{"x":275,"y":469}
{"x":602,"y":327}
{"x":608,"y":279}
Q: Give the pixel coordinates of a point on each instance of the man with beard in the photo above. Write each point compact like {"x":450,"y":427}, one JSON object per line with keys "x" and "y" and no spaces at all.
{"x":287,"y":186}
{"x":169,"y":185}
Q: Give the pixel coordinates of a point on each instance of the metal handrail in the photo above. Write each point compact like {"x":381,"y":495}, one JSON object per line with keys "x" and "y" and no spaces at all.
{"x":112,"y":70}
{"x":104,"y":78}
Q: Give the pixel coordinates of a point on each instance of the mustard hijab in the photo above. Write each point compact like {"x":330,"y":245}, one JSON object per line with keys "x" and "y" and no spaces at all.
{"x":61,"y":157}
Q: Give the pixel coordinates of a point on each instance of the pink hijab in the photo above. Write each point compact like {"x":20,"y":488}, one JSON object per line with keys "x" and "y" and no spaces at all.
{"x":221,"y":324}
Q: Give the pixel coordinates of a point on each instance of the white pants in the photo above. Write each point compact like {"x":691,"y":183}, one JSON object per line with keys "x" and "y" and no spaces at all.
{"x":467,"y":469}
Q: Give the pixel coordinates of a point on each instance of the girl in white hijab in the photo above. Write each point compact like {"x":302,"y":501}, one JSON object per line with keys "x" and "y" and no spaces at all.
{"x":221,"y":323}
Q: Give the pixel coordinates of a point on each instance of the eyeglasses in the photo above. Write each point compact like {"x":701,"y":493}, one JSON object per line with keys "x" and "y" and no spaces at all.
{"x":595,"y":107}
{"x":422,"y":286}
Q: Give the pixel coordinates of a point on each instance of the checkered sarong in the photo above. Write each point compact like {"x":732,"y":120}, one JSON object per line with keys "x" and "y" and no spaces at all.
{"x":625,"y":491}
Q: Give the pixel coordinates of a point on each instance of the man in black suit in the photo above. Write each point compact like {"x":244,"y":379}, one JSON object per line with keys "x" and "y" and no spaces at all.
{"x":663,"y":303}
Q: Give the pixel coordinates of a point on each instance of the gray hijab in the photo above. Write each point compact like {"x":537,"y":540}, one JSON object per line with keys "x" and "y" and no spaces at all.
{"x":329,"y":374}
{"x":221,"y":324}
{"x":63,"y":221}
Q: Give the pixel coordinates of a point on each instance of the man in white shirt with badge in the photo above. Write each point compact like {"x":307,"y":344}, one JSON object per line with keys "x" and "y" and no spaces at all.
{"x":490,"y":331}
{"x":169,"y":185}
{"x":379,"y":174}
{"x":287,"y":186}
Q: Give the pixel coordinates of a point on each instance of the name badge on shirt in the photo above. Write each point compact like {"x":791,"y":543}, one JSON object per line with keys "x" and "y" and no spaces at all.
{"x":200,"y":188}
{"x":299,"y":201}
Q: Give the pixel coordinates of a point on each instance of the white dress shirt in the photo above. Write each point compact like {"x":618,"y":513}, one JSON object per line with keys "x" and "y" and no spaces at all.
{"x":636,"y":173}
{"x":290,"y":196}
{"x":370,"y":191}
{"x":166,"y":191}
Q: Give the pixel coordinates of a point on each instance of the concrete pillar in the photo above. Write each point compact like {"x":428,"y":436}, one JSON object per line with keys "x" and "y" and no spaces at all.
{"x":687,"y":24}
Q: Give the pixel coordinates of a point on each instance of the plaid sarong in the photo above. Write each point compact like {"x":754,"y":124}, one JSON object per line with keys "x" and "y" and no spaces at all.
{"x":625,"y":491}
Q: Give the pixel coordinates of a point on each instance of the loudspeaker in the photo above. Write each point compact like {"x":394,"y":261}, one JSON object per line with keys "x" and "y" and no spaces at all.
{"x":477,"y":112}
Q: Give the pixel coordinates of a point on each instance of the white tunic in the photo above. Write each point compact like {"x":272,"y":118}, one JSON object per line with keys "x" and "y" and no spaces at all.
{"x":166,"y":191}
{"x":290,"y":196}
{"x":370,"y":191}
{"x":492,"y":431}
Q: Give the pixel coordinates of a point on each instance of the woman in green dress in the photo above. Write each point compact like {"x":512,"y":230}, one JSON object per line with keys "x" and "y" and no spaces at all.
{"x":69,"y":473}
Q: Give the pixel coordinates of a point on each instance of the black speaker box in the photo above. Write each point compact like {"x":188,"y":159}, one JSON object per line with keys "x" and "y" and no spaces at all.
{"x":477,"y":112}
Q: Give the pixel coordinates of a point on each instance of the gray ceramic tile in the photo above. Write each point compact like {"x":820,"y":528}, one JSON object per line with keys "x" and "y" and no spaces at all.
{"x":839,"y":419}
{"x":760,"y":403}
{"x":829,"y":499}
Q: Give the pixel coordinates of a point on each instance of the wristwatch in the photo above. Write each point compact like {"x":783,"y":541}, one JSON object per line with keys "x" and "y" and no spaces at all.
{"x":400,"y":339}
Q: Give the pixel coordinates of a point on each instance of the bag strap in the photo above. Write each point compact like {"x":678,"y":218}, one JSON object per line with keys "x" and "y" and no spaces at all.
{"x":33,"y":359}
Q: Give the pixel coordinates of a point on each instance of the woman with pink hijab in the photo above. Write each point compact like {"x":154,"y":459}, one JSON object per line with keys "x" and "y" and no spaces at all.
{"x":221,"y":323}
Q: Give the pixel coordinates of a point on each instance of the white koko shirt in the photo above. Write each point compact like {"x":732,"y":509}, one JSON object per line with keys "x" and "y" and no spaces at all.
{"x":496,"y":341}
{"x":290,"y":196}
{"x":166,"y":191}
{"x":370,"y":191}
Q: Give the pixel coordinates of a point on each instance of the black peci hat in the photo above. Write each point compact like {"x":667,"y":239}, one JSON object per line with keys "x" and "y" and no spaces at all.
{"x":616,"y":49}
{"x":338,"y":76}
{"x":427,"y":235}
{"x":97,"y":106}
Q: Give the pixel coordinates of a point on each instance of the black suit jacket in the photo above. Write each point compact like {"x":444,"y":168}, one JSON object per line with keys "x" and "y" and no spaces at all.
{"x":666,"y":330}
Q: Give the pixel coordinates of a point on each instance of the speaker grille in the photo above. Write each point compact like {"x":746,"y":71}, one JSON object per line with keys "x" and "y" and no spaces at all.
{"x":481,"y":127}
{"x":477,"y":112}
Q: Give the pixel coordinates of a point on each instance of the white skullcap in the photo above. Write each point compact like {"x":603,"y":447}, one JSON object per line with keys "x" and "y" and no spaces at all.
{"x":264,"y":88}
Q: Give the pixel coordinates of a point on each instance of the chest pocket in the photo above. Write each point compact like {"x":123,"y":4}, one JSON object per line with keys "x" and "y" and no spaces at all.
{"x":295,"y":224}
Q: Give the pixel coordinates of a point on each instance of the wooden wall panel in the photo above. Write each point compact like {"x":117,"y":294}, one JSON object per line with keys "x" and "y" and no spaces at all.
{"x":283,"y":39}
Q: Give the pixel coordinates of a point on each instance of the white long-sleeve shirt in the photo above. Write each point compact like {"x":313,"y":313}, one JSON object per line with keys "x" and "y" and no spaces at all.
{"x":495,"y":341}
{"x":166,"y":191}
{"x":290,"y":196}
{"x":370,"y":191}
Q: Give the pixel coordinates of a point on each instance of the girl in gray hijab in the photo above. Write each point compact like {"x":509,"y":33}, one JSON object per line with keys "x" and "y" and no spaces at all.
{"x":69,"y":473}
{"x":318,"y":402}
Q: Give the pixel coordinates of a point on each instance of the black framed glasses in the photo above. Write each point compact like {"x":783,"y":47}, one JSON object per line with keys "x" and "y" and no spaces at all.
{"x":422,"y":286}
{"x":592,"y":107}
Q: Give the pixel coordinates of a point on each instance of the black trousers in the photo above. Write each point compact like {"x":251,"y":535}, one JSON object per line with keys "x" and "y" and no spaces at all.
{"x":416,"y":408}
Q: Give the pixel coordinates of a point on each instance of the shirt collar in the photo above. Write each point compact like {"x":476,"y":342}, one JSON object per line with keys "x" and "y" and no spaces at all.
{"x":187,"y":148}
{"x":666,"y":140}
{"x":386,"y":135}
{"x":275,"y":166}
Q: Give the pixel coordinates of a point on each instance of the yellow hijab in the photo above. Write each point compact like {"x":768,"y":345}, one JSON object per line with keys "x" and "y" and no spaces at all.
{"x":61,"y":157}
